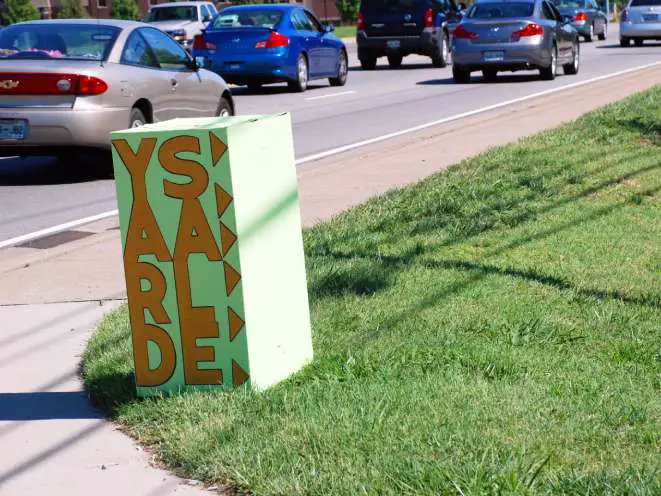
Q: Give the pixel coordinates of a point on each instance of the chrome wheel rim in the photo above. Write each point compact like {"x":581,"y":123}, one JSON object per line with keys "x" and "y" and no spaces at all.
{"x":137,"y":123}
{"x":302,"y":73}
{"x":343,"y":66}
{"x":224,"y":113}
{"x":554,"y":62}
{"x":444,"y":48}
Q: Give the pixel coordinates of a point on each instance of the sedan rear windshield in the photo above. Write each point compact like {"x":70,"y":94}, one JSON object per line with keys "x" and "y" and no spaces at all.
{"x":646,"y":3}
{"x":161,"y":14}
{"x":492,"y":10}
{"x":379,"y":6}
{"x":247,"y":18}
{"x":57,"y":41}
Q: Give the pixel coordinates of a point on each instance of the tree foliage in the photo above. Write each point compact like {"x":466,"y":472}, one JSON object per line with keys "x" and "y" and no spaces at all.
{"x":348,"y":10}
{"x":125,"y":9}
{"x":71,"y":9}
{"x":19,"y":11}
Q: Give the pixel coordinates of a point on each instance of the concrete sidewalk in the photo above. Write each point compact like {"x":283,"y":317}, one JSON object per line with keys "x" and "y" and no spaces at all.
{"x":52,"y":294}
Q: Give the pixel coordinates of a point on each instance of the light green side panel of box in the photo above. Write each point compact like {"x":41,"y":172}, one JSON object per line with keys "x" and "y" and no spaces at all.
{"x":268,"y":223}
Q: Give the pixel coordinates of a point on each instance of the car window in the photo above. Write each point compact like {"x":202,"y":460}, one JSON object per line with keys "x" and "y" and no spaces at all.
{"x":212,"y":9}
{"x":247,"y":18}
{"x":316,"y":25}
{"x":169,"y":53}
{"x":381,"y":6}
{"x":302,"y":21}
{"x":137,"y":52}
{"x":177,"y":13}
{"x":646,"y":3}
{"x":206,"y":15}
{"x":547,"y":13}
{"x":44,"y":41}
{"x":556,"y":13}
{"x":505,"y":10}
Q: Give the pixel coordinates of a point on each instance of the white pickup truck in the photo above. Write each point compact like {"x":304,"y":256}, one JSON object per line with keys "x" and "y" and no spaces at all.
{"x":182,"y":20}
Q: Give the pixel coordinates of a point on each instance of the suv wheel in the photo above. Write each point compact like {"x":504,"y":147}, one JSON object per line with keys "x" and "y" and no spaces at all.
{"x":625,"y":42}
{"x":395,"y":61}
{"x":638,"y":42}
{"x":460,"y":75}
{"x":490,"y":75}
{"x":368,"y":64}
{"x":441,"y":52}
{"x":604,"y":33}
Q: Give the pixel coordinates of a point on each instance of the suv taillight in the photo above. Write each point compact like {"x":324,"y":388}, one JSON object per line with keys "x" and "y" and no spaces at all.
{"x":274,"y":40}
{"x":462,"y":33}
{"x":429,"y":18}
{"x":530,"y":30}
{"x":360,"y":23}
{"x":581,"y":16}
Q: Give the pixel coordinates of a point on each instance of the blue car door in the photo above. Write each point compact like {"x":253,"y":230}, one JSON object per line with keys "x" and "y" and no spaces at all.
{"x":310,"y":41}
{"x":329,"y":52}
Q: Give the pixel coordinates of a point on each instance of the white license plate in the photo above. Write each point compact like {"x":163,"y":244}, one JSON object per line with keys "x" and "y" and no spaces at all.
{"x":13,"y":129}
{"x":392,"y":44}
{"x":494,"y":56}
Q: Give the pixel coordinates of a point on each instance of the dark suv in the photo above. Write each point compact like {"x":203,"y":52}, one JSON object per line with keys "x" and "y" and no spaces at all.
{"x":396,"y":28}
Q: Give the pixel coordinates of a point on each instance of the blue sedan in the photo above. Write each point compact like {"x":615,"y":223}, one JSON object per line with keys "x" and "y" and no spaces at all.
{"x":261,"y":44}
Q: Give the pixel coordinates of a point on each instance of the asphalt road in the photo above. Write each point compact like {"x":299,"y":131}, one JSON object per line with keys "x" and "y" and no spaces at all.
{"x":38,"y":193}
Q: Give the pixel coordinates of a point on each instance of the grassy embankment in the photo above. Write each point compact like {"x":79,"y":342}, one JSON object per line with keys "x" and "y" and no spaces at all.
{"x":494,"y":329}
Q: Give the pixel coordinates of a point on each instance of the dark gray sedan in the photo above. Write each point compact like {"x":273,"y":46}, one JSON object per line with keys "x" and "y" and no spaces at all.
{"x":586,"y":17}
{"x":501,"y":35}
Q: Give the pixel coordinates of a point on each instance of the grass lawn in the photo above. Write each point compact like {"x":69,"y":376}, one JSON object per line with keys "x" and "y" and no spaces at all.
{"x":345,"y":31}
{"x":494,"y":329}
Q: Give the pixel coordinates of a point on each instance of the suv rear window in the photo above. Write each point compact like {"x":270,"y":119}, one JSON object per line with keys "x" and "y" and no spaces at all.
{"x":378,"y":6}
{"x":177,"y":13}
{"x":646,"y":3}
{"x":57,"y":41}
{"x":493,"y":10}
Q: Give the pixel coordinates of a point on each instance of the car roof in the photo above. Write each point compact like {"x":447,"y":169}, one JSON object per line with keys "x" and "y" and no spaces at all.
{"x":179,"y":4}
{"x":100,"y":22}
{"x":265,"y":6}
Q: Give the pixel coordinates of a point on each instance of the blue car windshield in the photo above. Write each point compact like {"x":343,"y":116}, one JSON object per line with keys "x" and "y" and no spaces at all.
{"x":247,"y":18}
{"x":493,"y":10}
{"x":43,"y":41}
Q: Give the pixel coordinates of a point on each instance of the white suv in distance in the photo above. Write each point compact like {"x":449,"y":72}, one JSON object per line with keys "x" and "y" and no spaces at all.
{"x":182,"y":20}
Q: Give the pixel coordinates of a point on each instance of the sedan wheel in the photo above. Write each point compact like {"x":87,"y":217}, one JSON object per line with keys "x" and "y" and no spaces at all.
{"x":395,"y":61}
{"x":625,"y":42}
{"x":301,"y":83}
{"x":224,"y":108}
{"x":572,"y":68}
{"x":342,"y":71}
{"x":590,"y":34}
{"x":548,"y":73}
{"x":137,"y":118}
{"x":442,"y":55}
{"x":604,"y":33}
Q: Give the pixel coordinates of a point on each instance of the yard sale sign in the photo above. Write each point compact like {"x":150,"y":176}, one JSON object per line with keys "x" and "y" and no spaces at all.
{"x":213,"y":252}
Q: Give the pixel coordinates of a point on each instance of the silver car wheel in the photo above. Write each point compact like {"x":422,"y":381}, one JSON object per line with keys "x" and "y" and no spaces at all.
{"x":554,"y":62}
{"x":224,"y":113}
{"x":444,"y":48}
{"x":577,"y":56}
{"x":137,"y":123}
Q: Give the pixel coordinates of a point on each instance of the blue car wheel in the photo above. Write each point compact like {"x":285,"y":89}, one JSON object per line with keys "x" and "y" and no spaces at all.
{"x":342,"y":70}
{"x":302,"y":75}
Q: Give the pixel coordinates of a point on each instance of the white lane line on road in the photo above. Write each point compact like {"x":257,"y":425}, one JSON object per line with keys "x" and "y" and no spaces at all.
{"x":331,"y":95}
{"x":318,"y":156}
{"x":383,"y":137}
{"x":56,"y":229}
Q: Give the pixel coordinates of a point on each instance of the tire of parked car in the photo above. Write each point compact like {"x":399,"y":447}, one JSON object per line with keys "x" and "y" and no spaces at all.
{"x":301,"y":83}
{"x":460,"y":75}
{"x":395,"y":61}
{"x":574,"y":65}
{"x":602,"y":36}
{"x":368,"y":63}
{"x":549,"y":73}
{"x":342,"y":70}
{"x":224,"y":108}
{"x":137,"y":118}
{"x":441,"y":52}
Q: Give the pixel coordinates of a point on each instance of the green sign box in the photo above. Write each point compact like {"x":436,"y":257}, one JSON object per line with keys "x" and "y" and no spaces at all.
{"x":213,"y":252}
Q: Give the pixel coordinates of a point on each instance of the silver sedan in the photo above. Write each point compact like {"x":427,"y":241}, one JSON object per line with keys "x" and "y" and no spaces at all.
{"x":640,"y":21}
{"x":65,"y":85}
{"x":503,"y":35}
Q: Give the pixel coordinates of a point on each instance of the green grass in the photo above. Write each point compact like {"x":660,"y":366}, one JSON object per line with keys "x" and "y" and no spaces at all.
{"x":345,"y":31}
{"x":493,"y":329}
